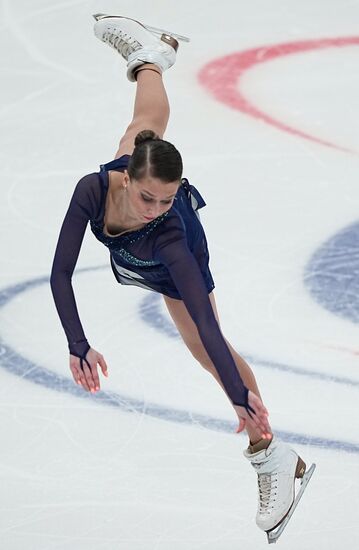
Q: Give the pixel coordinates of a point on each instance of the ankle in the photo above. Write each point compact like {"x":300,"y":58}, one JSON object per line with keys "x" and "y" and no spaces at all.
{"x":261,"y":445}
{"x":147,"y":67}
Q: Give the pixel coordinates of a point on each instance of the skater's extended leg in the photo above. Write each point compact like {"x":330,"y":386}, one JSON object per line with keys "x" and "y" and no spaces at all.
{"x":190,"y":336}
{"x":151,"y":109}
{"x":276,"y":464}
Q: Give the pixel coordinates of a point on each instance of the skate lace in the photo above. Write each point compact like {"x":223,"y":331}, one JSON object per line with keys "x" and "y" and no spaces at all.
{"x":122,"y":42}
{"x":267,"y":485}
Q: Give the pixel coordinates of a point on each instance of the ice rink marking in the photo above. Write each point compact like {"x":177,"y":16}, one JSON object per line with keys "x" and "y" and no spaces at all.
{"x":221,"y":78}
{"x":331,"y":274}
{"x":151,"y":314}
{"x":16,"y":364}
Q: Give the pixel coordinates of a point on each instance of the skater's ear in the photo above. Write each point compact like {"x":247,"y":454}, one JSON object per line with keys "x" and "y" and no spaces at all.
{"x":126,"y":179}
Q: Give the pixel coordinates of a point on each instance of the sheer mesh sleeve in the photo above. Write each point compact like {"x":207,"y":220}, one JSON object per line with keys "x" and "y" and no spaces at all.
{"x":83,"y":206}
{"x":172,"y":250}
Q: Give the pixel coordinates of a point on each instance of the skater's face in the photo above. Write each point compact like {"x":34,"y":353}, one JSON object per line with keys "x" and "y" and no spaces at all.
{"x":150,"y":197}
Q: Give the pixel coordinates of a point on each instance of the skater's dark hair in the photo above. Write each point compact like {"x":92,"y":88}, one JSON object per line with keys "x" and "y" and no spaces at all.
{"x":154,"y":157}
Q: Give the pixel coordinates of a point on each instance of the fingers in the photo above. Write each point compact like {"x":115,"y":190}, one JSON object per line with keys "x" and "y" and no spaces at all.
{"x":75,"y":374}
{"x":78,"y":373}
{"x":84,"y":371}
{"x":261,"y":421}
{"x":257,"y":423}
{"x":94,"y":381}
{"x":85,"y":376}
{"x":242,"y":425}
{"x":103,"y":365}
{"x":260,"y":418}
{"x":89,"y":378}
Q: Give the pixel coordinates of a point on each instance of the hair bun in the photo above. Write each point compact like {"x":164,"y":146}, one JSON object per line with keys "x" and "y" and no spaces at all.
{"x":145,"y":135}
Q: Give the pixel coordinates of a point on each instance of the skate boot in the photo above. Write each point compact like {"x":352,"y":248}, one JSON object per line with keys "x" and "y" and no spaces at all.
{"x":277,"y":468}
{"x":137,"y":43}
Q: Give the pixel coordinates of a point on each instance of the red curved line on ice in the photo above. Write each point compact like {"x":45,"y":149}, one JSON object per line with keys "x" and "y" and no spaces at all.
{"x":222,"y":75}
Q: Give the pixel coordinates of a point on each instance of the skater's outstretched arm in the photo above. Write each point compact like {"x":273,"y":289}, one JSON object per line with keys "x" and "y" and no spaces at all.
{"x":83,"y":205}
{"x":172,"y":250}
{"x":151,"y":109}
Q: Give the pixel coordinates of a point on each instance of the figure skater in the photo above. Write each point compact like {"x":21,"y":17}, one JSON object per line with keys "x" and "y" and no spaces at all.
{"x":142,"y":209}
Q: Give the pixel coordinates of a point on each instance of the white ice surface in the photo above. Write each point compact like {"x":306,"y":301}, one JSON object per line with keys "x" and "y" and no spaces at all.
{"x":81,"y":475}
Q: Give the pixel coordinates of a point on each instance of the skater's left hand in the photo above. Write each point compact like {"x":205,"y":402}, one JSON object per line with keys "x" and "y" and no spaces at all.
{"x":259,"y":420}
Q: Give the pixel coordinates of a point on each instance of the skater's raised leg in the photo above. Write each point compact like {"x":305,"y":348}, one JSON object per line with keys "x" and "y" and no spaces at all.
{"x":148,"y":56}
{"x":136,"y":43}
{"x":151,"y":109}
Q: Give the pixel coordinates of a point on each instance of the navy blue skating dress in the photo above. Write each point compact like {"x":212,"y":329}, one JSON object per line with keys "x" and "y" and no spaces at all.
{"x":169,"y":255}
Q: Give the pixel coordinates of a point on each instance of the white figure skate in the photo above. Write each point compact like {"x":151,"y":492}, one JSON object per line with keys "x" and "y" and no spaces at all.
{"x":277,"y":468}
{"x":137,"y":43}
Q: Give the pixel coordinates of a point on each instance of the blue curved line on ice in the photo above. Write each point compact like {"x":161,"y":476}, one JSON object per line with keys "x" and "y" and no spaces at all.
{"x":27,"y":370}
{"x":332,"y":274}
{"x":150,"y":312}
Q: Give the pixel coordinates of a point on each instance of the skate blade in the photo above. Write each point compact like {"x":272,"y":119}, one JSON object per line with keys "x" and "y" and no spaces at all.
{"x":275,"y":533}
{"x":170,"y":33}
{"x":155,"y":30}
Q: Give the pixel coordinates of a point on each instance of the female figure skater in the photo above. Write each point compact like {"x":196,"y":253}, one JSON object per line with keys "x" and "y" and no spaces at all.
{"x":139,"y":206}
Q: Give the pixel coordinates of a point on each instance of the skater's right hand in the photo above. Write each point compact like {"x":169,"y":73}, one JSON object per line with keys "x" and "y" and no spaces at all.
{"x":87,"y":376}
{"x":259,"y":420}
